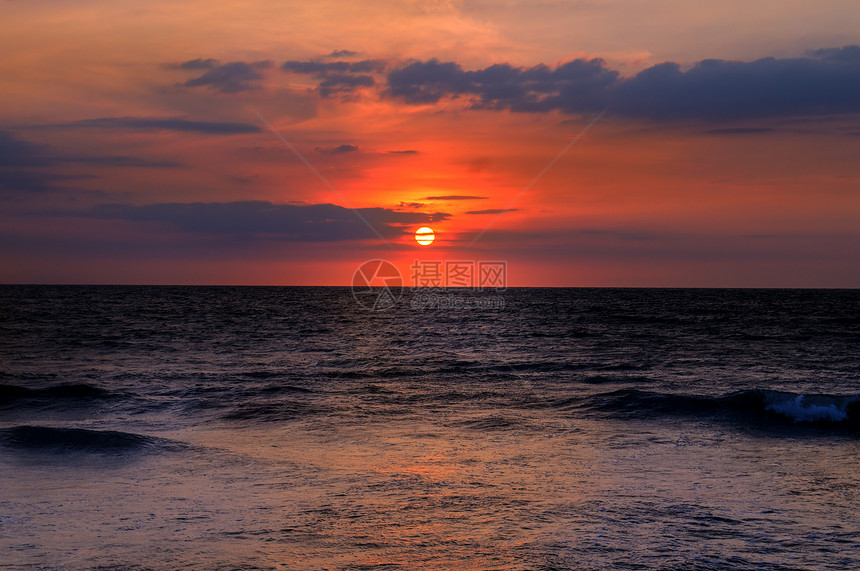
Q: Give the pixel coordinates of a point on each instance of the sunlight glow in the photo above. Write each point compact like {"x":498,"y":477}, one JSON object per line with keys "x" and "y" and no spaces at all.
{"x":425,"y":236}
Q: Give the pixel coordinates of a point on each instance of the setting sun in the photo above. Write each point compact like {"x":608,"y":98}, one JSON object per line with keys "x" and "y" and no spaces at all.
{"x":425,"y":236}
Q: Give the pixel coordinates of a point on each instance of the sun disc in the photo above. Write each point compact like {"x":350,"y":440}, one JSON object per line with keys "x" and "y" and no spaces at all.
{"x":425,"y":236}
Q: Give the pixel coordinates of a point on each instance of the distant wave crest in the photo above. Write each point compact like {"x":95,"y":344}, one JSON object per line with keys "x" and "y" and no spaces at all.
{"x":828,"y":411}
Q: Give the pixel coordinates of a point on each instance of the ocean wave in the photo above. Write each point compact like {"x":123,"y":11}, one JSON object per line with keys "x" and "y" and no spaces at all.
{"x":278,"y":389}
{"x":787,"y":408}
{"x":279,"y":411}
{"x":262,"y":374}
{"x":79,"y":392}
{"x":80,"y":440}
{"x":494,"y":422}
{"x":601,"y":379}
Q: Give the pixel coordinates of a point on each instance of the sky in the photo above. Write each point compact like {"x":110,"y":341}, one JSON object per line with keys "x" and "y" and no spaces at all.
{"x":633,"y":143}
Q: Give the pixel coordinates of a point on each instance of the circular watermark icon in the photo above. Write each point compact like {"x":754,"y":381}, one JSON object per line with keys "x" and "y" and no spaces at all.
{"x":377,"y":285}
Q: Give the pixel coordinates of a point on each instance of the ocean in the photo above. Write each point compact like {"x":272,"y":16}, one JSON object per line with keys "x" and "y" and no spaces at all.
{"x":292,"y":428}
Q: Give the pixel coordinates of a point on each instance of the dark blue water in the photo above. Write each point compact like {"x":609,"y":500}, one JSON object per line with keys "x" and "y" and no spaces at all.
{"x":290,"y":428}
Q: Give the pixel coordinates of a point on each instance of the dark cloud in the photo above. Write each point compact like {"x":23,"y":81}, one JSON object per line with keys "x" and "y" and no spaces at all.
{"x":338,"y":77}
{"x":25,"y":181}
{"x":338,"y":150}
{"x":728,"y":90}
{"x":493,"y":211}
{"x":847,"y":53}
{"x":231,"y":77}
{"x":194,"y":64}
{"x":265,"y":220}
{"x":28,"y":167}
{"x":17,"y":180}
{"x":501,"y":86}
{"x":405,"y":152}
{"x":119,"y":161}
{"x":321,"y":68}
{"x":825,"y":82}
{"x":410,"y":205}
{"x":455,"y":197}
{"x":17,"y":153}
{"x":427,"y":82}
{"x":342,"y":83}
{"x":162,"y":124}
{"x":343,"y":53}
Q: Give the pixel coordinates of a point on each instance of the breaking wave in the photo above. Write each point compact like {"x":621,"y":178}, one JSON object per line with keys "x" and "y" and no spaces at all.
{"x":835,"y":411}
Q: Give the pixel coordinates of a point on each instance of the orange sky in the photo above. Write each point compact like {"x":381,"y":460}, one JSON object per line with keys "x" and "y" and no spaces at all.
{"x":132,"y":148}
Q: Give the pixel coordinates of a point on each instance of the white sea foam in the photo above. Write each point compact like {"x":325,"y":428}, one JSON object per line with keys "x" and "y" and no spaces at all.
{"x":801,"y":409}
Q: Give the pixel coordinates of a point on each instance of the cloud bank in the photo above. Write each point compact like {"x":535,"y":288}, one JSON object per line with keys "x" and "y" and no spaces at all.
{"x":261,"y":219}
{"x":29,"y":167}
{"x":162,"y":124}
{"x":826,"y":82}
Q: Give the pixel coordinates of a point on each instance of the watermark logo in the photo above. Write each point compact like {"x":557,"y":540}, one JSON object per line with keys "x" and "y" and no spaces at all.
{"x":449,"y":299}
{"x":469,"y":274}
{"x":377,"y":285}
